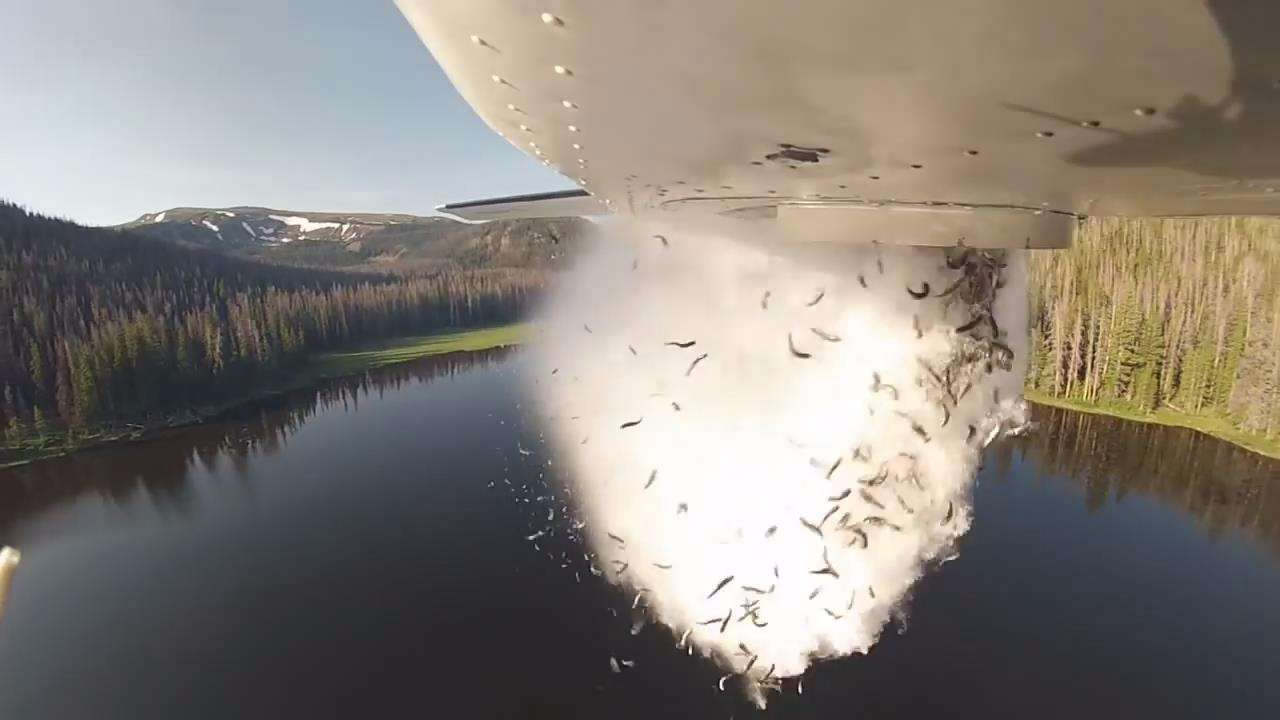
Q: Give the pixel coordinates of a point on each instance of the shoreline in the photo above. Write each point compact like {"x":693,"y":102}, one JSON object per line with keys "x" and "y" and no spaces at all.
{"x":371,"y":356}
{"x":322,"y":366}
{"x":1209,"y":426}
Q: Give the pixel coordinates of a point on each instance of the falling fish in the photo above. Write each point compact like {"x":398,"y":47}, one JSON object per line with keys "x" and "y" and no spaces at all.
{"x":720,"y":586}
{"x":858,"y":534}
{"x":826,"y":568}
{"x":877,"y":385}
{"x":831,"y":471}
{"x":615,"y":538}
{"x":824,"y":335}
{"x":951,"y":510}
{"x":821,"y":294}
{"x":613,"y":665}
{"x":797,"y":353}
{"x":694,"y":364}
{"x":663,"y":239}
{"x":681,"y":344}
{"x":653,"y":475}
{"x":871,"y":499}
{"x":587,"y":328}
{"x":764,"y":300}
{"x":630,"y":424}
{"x":903,"y":504}
{"x":923,"y":293}
{"x":810,"y":526}
{"x":834,"y":509}
{"x":633,"y":350}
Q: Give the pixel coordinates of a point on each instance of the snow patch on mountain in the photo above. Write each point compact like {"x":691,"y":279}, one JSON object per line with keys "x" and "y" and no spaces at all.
{"x":304,"y":224}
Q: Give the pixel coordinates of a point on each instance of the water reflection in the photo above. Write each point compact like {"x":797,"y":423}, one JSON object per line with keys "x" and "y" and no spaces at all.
{"x":381,"y":568}
{"x":1223,"y":487}
{"x":157,"y":471}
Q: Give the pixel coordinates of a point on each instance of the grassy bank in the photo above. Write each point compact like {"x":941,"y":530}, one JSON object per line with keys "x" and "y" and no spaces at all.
{"x":320,"y":367}
{"x":1220,"y":429}
{"x":351,"y":362}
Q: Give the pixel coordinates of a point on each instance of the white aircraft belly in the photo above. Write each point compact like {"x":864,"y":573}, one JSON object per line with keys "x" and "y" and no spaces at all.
{"x":1133,"y":107}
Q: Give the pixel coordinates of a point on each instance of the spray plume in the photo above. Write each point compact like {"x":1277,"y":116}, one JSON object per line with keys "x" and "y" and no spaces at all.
{"x":783,"y":437}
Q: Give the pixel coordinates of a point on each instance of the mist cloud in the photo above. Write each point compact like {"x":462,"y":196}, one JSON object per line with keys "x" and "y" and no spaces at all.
{"x":769,"y":441}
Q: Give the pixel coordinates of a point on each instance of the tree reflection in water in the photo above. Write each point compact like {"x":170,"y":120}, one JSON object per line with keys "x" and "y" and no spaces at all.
{"x":1222,"y":486}
{"x":158,"y":470}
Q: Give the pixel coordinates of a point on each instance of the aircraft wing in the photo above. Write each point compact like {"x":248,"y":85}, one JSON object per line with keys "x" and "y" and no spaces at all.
{"x":564,"y":203}
{"x":1005,"y":115}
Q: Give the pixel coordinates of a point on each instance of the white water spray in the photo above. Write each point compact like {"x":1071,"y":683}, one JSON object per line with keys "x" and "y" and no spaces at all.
{"x":769,"y":441}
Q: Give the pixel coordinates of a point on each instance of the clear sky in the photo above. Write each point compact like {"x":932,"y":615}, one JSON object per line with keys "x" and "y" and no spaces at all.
{"x":109,"y":109}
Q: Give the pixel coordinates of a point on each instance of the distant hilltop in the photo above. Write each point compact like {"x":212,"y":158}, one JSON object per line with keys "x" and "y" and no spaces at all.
{"x":234,"y":226}
{"x":335,"y":239}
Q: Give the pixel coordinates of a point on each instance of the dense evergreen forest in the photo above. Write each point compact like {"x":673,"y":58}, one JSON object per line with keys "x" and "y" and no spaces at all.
{"x":1179,"y":314}
{"x":104,"y":327}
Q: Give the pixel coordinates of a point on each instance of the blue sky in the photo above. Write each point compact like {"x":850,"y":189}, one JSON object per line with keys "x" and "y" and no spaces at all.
{"x":112,"y":109}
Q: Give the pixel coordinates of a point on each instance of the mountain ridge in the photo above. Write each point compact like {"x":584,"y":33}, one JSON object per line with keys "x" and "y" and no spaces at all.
{"x":386,"y":241}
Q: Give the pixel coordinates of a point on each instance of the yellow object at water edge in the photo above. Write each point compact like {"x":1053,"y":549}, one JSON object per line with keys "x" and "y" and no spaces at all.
{"x":9,"y":559}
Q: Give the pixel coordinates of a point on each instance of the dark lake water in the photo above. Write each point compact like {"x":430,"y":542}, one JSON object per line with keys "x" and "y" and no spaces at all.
{"x":353,"y":551}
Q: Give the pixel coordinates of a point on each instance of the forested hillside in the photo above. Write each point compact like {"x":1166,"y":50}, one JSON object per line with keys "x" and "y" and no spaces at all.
{"x":1179,"y":314}
{"x":101,"y":327}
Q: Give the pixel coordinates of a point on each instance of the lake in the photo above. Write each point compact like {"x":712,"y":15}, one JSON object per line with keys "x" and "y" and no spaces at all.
{"x":355,"y":550}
